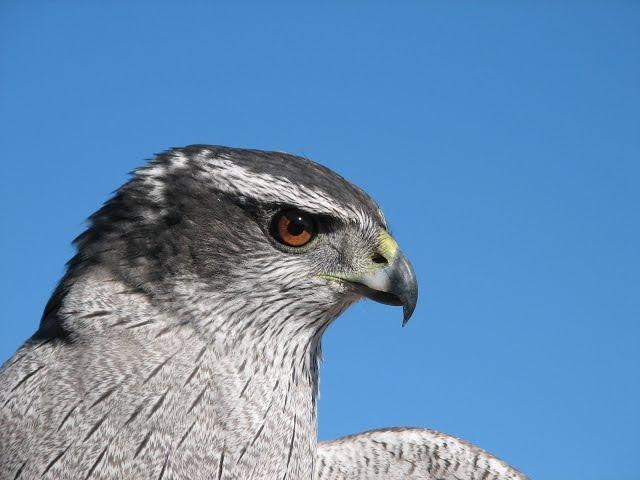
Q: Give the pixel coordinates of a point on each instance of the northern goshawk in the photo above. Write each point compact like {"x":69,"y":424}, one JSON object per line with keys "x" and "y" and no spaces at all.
{"x":183,"y":341}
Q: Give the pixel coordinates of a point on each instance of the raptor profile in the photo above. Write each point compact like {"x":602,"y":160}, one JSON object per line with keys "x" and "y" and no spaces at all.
{"x":183,"y":340}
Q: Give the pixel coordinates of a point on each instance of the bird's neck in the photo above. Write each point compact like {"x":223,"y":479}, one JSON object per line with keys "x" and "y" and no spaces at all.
{"x":245,"y":397}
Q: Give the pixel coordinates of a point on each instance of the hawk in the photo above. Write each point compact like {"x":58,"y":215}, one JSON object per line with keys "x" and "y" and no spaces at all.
{"x":183,"y":340}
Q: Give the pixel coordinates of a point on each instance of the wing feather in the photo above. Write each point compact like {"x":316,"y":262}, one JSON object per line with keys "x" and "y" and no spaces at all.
{"x":408,"y":454}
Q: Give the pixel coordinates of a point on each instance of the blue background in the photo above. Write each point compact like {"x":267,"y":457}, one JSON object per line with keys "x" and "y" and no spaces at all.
{"x":502,"y":140}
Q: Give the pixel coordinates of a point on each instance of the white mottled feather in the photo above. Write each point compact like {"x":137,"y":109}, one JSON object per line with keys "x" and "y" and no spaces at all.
{"x":408,"y":454}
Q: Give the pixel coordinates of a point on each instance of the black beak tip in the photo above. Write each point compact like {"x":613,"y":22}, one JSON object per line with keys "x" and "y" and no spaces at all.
{"x":406,"y":288}
{"x":406,"y":315}
{"x":409,"y":305}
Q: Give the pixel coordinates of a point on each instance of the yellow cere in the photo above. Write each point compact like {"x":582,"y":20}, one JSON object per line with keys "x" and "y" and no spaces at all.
{"x":388,"y":246}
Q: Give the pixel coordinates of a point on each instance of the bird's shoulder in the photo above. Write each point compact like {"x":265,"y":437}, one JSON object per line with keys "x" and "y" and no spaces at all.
{"x":407,"y":453}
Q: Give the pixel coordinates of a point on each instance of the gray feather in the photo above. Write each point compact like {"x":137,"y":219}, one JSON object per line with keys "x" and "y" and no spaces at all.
{"x":408,"y":454}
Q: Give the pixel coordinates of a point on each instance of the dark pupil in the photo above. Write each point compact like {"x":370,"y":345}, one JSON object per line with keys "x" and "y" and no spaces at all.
{"x":296,"y":226}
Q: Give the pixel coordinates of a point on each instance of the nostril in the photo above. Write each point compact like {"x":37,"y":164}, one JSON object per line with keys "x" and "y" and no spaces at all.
{"x":377,"y":258}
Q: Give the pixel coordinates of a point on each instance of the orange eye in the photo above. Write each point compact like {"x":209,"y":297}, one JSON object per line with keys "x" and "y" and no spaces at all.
{"x":293,"y":228}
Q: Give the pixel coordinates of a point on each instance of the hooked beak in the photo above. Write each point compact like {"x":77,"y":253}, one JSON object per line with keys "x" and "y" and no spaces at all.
{"x":392,"y":282}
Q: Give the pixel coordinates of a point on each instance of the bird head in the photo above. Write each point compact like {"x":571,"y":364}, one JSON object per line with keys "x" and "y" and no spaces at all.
{"x":243,"y":231}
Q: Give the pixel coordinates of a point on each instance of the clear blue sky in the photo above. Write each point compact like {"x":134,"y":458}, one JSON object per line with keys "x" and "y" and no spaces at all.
{"x":502,"y":140}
